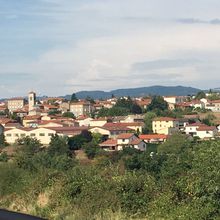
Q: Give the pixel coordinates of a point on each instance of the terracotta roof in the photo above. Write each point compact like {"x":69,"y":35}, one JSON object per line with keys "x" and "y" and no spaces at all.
{"x":125,"y":136}
{"x":164,"y":119}
{"x":195,"y":125}
{"x":206,"y":128}
{"x":32,"y":117}
{"x":109,"y":142}
{"x":122,"y":124}
{"x":153,"y":136}
{"x":136,"y":141}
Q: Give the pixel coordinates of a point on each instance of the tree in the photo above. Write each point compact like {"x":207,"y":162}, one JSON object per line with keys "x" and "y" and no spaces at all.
{"x":148,"y":118}
{"x":68,"y":115}
{"x":58,"y":146}
{"x":91,"y":100}
{"x":2,"y":140}
{"x":158,"y":103}
{"x":200,"y":95}
{"x":136,"y":109}
{"x":74,"y":98}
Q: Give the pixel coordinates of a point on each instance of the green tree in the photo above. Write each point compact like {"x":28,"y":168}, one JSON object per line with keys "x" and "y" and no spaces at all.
{"x":136,"y":109}
{"x":68,"y":115}
{"x":74,"y":98}
{"x":58,"y":146}
{"x":148,"y":118}
{"x":200,"y":95}
{"x":2,"y":140}
{"x":157,"y":103}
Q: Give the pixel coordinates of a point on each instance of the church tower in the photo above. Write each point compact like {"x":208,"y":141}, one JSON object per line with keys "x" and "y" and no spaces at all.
{"x":31,"y":100}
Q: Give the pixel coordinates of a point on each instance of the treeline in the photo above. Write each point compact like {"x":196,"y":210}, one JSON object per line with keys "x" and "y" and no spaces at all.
{"x":175,"y":180}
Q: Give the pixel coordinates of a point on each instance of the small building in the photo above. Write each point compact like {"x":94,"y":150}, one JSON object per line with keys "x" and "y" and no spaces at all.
{"x":154,"y":138}
{"x":80,"y":108}
{"x":123,"y":141}
{"x":15,"y":104}
{"x":165,"y":125}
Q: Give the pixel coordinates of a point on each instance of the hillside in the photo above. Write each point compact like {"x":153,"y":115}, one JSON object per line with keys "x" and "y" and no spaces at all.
{"x":137,"y":92}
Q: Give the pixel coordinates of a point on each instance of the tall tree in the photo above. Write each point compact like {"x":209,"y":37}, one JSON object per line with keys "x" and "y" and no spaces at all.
{"x":74,"y":98}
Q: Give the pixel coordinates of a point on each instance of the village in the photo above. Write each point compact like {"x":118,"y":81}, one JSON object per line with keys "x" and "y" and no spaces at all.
{"x":140,"y":121}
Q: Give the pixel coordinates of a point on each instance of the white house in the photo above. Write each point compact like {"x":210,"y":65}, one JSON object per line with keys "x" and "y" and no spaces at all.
{"x":123,"y":141}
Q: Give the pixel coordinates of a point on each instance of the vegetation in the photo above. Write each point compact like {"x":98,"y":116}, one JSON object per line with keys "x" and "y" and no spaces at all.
{"x":68,"y":115}
{"x":123,"y":107}
{"x":178,"y":180}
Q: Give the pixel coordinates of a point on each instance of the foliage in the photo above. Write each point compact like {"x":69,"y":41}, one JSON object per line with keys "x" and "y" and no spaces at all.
{"x":68,"y":115}
{"x":74,"y":98}
{"x":2,"y":140}
{"x":179,"y":180}
{"x":3,"y":157}
{"x":148,"y":118}
{"x":157,"y":103}
{"x":200,"y":95}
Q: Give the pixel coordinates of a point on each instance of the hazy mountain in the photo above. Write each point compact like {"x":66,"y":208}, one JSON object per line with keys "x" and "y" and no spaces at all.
{"x":137,"y":92}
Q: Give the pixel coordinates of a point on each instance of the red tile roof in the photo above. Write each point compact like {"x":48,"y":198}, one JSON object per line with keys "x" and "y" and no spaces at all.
{"x":165,"y":119}
{"x":109,"y":142}
{"x":153,"y":136}
{"x":125,"y":136}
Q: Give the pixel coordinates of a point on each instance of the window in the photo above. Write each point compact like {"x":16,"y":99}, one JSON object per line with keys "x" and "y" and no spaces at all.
{"x":41,"y":134}
{"x":50,"y":134}
{"x":123,"y":140}
{"x":32,"y":135}
{"x":16,"y":135}
{"x":22,"y":135}
{"x":8,"y":135}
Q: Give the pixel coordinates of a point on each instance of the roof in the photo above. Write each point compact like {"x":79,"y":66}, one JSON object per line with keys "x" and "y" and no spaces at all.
{"x":153,"y":136}
{"x":206,"y":128}
{"x":109,"y":142}
{"x":195,"y":125}
{"x":136,"y":141}
{"x":165,"y":119}
{"x":32,"y":117}
{"x":125,"y":136}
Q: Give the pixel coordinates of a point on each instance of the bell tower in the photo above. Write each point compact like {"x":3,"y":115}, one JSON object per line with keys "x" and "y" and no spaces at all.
{"x":31,"y":100}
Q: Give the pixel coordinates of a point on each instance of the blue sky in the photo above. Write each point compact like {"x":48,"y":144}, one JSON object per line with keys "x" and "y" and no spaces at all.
{"x":57,"y":47}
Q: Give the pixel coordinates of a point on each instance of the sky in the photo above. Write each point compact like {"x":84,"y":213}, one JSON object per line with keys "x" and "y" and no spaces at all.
{"x":57,"y":47}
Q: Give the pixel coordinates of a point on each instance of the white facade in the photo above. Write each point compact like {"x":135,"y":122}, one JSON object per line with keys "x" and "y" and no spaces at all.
{"x":41,"y":134}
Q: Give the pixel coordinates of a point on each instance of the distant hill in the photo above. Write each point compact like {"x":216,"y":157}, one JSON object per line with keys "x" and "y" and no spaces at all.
{"x":137,"y":92}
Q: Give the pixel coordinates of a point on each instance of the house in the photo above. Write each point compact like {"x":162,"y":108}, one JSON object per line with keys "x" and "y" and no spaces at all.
{"x":80,"y":108}
{"x":84,"y":120}
{"x":154,"y":138}
{"x":213,"y":105}
{"x":207,"y":132}
{"x":165,"y":125}
{"x":136,"y":126}
{"x":201,"y":130}
{"x":98,"y":122}
{"x":30,"y":118}
{"x":41,"y":134}
{"x":122,"y":141}
{"x":15,"y":104}
{"x":110,"y":132}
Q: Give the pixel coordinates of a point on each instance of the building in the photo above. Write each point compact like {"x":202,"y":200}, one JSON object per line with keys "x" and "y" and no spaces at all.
{"x":15,"y":104}
{"x":154,"y":138}
{"x":80,"y":108}
{"x":123,"y":141}
{"x":31,"y":100}
{"x":41,"y":134}
{"x":165,"y":125}
{"x":201,"y":130}
{"x":213,"y":105}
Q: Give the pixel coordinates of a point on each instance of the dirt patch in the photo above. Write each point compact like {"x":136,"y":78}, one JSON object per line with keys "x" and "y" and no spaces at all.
{"x":43,"y":199}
